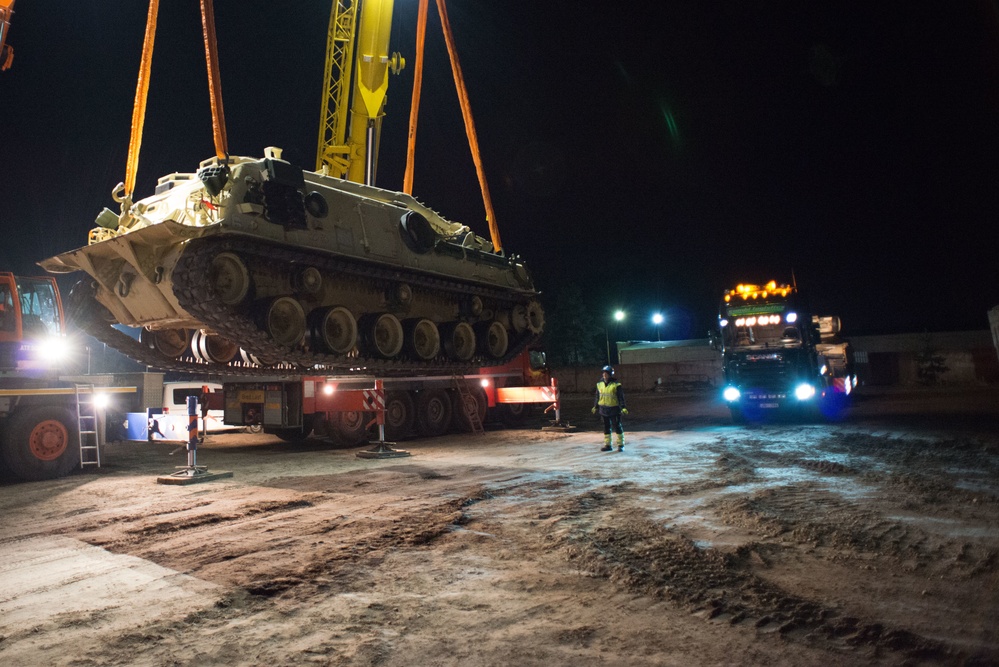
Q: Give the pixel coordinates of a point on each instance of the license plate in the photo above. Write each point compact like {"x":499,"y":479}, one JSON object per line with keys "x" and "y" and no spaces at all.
{"x":769,"y":405}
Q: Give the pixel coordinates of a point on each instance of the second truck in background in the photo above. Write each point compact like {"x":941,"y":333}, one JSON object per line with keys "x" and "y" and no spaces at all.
{"x":777,"y":356}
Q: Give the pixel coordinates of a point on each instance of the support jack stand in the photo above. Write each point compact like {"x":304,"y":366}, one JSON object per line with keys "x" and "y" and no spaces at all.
{"x":192,"y":473}
{"x":557,"y":425}
{"x":382,"y":450}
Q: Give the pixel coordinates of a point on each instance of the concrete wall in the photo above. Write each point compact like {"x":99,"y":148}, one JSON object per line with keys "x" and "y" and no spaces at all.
{"x":970,"y":357}
{"x":689,"y":365}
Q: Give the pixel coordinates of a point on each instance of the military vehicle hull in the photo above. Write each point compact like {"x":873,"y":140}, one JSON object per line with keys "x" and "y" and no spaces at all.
{"x":253,"y":264}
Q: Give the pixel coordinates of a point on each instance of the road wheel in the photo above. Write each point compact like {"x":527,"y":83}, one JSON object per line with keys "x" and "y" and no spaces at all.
{"x":213,"y":348}
{"x":285,"y":321}
{"x":383,"y":335}
{"x":400,"y":414}
{"x":423,"y":340}
{"x":492,"y":338}
{"x":474,"y":403}
{"x":43,"y":443}
{"x":171,"y":343}
{"x":433,"y":412}
{"x":335,"y":329}
{"x":459,"y":340}
{"x":350,"y":428}
{"x":229,"y":278}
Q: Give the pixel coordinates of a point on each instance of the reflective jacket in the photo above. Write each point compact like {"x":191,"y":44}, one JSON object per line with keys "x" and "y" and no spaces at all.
{"x":609,"y":398}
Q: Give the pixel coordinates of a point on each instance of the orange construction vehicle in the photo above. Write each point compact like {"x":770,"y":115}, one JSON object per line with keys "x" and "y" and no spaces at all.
{"x":47,"y":426}
{"x":6,"y":50}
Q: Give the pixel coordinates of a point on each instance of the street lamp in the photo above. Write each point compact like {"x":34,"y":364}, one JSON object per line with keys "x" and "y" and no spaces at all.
{"x":618,"y":317}
{"x":657,"y":319}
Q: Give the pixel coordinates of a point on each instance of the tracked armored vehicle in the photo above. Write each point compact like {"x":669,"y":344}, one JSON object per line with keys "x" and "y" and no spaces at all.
{"x":252,"y":265}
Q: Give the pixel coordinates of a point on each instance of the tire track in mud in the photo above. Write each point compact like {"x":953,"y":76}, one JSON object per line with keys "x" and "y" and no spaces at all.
{"x":267,"y":547}
{"x":602,"y":534}
{"x":919,"y":481}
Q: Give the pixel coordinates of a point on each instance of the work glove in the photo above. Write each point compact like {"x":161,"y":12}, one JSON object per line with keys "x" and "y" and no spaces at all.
{"x":593,"y":410}
{"x":624,"y":411}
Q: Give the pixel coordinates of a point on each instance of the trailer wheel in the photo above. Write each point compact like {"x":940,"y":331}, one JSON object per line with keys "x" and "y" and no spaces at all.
{"x":476,"y":402}
{"x":351,"y":427}
{"x":287,"y":434}
{"x":399,"y":415}
{"x":514,"y":415}
{"x":433,"y":412}
{"x":43,"y":443}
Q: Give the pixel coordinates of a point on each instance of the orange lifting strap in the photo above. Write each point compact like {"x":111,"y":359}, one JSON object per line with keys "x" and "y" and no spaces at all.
{"x":142,"y":90}
{"x":414,"y":107}
{"x":466,"y":114}
{"x":214,"y":80}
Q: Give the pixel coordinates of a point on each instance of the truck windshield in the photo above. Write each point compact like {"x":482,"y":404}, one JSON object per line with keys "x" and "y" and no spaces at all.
{"x":39,"y":309}
{"x":761,"y":332}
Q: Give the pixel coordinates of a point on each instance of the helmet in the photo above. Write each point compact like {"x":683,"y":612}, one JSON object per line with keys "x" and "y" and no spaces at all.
{"x":607,"y":369}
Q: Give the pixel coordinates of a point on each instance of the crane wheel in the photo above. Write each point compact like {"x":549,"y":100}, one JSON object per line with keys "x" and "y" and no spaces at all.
{"x":400,"y":415}
{"x":42,"y":443}
{"x":433,"y":412}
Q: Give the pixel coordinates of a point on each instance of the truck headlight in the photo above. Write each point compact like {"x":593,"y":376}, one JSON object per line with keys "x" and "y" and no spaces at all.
{"x":731,"y":394}
{"x":804,"y":391}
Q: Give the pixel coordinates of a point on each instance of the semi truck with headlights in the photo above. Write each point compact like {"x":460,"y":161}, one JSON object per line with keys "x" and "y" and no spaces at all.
{"x":778,"y":357}
{"x":41,"y":416}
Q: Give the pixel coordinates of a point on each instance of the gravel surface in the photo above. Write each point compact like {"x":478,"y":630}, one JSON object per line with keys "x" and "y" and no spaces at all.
{"x":871,"y":540}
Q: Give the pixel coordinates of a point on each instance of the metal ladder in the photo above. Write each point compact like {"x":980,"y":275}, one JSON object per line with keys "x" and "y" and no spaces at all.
{"x":468,"y":403}
{"x":86,"y":419}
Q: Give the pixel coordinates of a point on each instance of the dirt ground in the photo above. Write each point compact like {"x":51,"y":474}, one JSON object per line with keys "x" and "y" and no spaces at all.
{"x":869,"y":541}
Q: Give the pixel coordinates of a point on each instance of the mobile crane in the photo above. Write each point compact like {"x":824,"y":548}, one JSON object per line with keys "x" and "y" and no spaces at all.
{"x":44,"y":423}
{"x":258,"y":268}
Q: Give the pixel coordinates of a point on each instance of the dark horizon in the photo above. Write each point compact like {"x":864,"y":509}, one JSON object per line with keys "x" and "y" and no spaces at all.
{"x":655,"y":157}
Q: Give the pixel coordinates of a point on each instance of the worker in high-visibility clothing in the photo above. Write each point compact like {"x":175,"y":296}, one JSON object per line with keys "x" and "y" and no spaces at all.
{"x":609,"y":401}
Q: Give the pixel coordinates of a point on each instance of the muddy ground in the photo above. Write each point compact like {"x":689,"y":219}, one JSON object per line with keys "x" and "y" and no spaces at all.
{"x":869,"y":541}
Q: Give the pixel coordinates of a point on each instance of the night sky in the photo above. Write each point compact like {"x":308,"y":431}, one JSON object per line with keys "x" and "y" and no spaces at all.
{"x":653,"y":152}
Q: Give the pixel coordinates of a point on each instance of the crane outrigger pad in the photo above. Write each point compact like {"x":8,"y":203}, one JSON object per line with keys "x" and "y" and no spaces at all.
{"x":559,"y":427}
{"x":383,"y":450}
{"x":189,"y":475}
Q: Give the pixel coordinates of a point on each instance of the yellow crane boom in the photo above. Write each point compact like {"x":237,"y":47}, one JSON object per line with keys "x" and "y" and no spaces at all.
{"x":348,"y":143}
{"x":356,"y":51}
